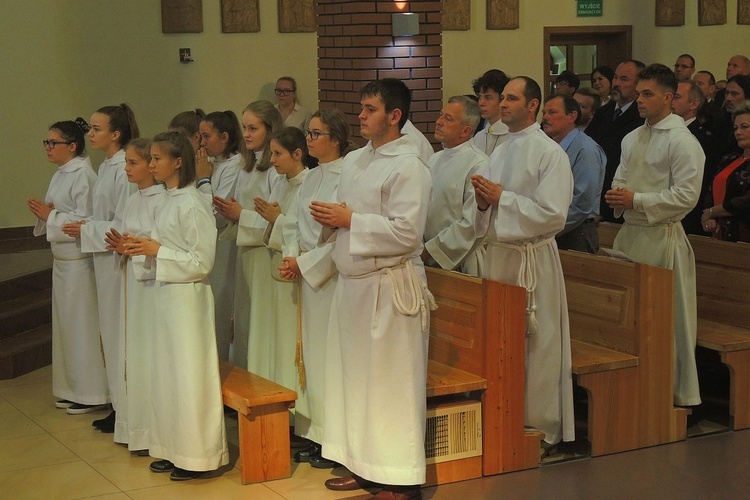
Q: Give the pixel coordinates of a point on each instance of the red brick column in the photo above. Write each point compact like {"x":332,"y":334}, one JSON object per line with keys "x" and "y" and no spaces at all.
{"x":355,"y":46}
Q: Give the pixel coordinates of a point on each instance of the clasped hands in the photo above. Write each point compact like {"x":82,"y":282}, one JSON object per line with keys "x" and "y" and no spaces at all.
{"x":40,"y":209}
{"x":619,"y":197}
{"x":486,"y":193}
{"x":127,"y":244}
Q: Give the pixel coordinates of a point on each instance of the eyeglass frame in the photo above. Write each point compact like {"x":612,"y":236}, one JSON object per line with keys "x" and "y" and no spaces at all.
{"x":50,"y":144}
{"x":314,"y":135}
{"x":284,"y":92}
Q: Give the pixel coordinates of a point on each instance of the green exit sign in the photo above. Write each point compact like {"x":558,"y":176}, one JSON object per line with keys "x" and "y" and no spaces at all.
{"x":590,"y":8}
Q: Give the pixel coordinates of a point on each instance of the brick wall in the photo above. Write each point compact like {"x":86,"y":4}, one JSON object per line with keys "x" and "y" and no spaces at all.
{"x":355,"y":46}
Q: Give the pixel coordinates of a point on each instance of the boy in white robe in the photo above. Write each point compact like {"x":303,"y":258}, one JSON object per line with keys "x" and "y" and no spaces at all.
{"x":656,"y":184}
{"x":376,"y":369}
{"x":522,"y":206}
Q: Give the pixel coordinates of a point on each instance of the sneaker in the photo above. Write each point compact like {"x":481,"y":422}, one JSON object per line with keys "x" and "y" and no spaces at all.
{"x":79,"y":409}
{"x":63,"y":403}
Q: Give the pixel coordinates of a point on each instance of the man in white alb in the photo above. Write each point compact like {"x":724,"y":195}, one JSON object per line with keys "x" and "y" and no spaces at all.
{"x":488,"y":88}
{"x":522,"y":206}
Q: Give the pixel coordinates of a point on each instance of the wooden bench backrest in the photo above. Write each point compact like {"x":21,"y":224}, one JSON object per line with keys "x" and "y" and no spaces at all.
{"x":722,"y":275}
{"x":612,"y":303}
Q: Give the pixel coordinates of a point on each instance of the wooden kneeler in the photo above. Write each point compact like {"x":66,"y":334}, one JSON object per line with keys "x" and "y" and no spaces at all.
{"x":263,"y":417}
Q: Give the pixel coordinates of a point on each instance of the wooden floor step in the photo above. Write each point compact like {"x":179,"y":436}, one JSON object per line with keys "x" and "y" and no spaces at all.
{"x":28,"y":283}
{"x":25,"y":312}
{"x":25,"y":352}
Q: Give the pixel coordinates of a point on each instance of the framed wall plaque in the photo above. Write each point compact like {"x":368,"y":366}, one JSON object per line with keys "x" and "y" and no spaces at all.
{"x":456,"y":15}
{"x":502,"y":14}
{"x":240,"y":16}
{"x":743,"y":11}
{"x":296,"y":16}
{"x":711,"y":12}
{"x":181,"y":16}
{"x":670,"y":13}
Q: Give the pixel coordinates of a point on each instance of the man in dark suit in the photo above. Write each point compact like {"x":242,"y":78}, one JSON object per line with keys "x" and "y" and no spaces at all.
{"x":689,"y":103}
{"x":737,"y":65}
{"x":614,"y":121}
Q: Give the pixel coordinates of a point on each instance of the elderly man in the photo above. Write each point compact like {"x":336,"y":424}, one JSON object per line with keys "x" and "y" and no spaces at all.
{"x":737,"y":65}
{"x":688,"y":104}
{"x":450,"y":238}
{"x":657,"y":183}
{"x":684,"y":67}
{"x":590,"y":102}
{"x":707,"y":83}
{"x":614,"y":121}
{"x":522,"y":206}
{"x":560,"y":116}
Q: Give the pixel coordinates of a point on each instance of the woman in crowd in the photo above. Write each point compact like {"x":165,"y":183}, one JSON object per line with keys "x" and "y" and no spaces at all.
{"x":187,"y":425}
{"x":139,"y":293}
{"x":259,"y":120}
{"x":292,"y":112}
{"x":728,"y":217}
{"x":328,"y":141}
{"x":78,"y":375}
{"x":220,"y":159}
{"x":188,"y":123}
{"x":112,"y":127}
{"x":601,"y":81}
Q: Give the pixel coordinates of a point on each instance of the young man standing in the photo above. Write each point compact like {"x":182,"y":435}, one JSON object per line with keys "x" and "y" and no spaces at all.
{"x":655,"y":186}
{"x":379,"y":325}
{"x":488,"y":88}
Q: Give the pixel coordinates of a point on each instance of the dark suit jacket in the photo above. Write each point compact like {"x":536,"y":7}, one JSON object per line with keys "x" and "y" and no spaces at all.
{"x":609,"y":134}
{"x":707,"y":137}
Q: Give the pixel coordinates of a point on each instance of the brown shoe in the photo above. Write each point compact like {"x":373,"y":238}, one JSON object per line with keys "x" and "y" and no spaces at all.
{"x":348,"y":483}
{"x":400,"y":493}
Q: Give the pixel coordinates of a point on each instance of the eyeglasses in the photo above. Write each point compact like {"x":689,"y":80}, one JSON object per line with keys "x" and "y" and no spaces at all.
{"x":284,"y":92}
{"x":48,"y":144}
{"x":315,"y":134}
{"x":561,"y":84}
{"x":683,"y":66}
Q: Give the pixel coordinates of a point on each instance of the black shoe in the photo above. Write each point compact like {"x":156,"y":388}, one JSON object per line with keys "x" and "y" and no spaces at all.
{"x":307,"y":454}
{"x":162,"y":466}
{"x":320,"y":462}
{"x":183,"y":475}
{"x":106,"y":424}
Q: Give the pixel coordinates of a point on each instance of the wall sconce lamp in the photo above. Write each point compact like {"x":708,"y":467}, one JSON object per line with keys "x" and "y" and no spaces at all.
{"x":405,"y":24}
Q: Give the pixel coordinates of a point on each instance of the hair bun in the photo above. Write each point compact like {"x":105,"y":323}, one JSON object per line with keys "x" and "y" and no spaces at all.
{"x":82,"y":124}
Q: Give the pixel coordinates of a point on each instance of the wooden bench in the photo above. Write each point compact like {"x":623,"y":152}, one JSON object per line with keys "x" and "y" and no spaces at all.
{"x":621,"y":338}
{"x":723,"y":292}
{"x":263,"y":416}
{"x":477,"y":343}
{"x":722,"y":276}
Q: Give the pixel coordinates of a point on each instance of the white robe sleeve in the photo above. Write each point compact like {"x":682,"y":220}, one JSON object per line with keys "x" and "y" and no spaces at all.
{"x":317,"y":265}
{"x":451,"y":245}
{"x":185,"y":266}
{"x":399,"y":229}
{"x":92,"y":233}
{"x":250,"y":229}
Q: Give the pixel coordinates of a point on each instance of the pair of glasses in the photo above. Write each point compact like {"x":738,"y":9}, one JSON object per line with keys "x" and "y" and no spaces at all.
{"x":283,"y":92}
{"x":48,"y":144}
{"x":683,"y":66}
{"x":315,"y":134}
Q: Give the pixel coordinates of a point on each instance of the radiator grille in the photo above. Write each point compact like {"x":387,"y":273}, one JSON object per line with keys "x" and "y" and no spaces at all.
{"x":453,"y":432}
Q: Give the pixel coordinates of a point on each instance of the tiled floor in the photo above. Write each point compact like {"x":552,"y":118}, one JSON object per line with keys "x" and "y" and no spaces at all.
{"x":47,"y":454}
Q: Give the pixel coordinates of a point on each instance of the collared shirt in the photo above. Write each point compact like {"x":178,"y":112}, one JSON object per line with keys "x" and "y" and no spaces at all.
{"x":587,"y":161}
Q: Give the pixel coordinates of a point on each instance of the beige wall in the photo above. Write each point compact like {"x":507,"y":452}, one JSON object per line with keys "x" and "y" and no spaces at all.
{"x":468,"y":54}
{"x":65,"y":59}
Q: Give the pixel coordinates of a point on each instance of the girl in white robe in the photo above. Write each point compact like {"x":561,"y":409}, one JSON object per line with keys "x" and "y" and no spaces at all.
{"x":219,"y":160}
{"x":78,"y":375}
{"x":139,"y":294}
{"x":111,"y":128}
{"x":328,"y":141}
{"x":288,"y":157}
{"x":188,"y":122}
{"x":259,"y":120}
{"x":187,"y":423}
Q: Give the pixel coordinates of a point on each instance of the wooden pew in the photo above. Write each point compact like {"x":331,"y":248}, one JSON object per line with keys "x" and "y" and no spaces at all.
{"x":723,"y":290}
{"x":621,"y":337}
{"x":263,"y":416}
{"x":477,"y":343}
{"x":722,"y":275}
